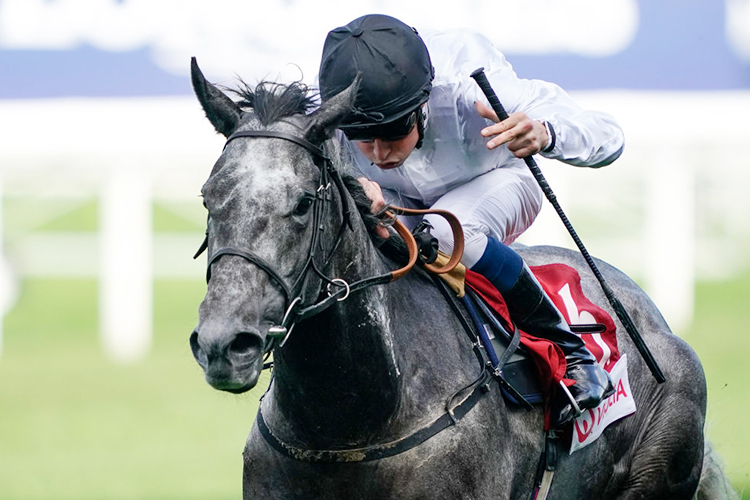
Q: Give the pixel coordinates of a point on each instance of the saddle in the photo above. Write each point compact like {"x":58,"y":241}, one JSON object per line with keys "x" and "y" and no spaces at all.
{"x":529,"y":368}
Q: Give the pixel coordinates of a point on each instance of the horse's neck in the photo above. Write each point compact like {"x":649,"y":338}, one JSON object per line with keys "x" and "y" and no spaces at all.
{"x":337,"y":374}
{"x":355,"y":374}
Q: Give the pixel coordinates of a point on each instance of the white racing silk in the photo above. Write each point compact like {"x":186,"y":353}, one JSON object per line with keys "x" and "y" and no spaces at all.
{"x":454,"y":152}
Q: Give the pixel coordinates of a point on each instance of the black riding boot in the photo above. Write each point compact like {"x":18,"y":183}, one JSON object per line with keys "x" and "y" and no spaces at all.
{"x":533,"y":312}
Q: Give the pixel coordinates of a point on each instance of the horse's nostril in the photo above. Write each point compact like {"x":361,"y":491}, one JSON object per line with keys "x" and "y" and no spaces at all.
{"x":245,"y":343}
{"x":198,"y":353}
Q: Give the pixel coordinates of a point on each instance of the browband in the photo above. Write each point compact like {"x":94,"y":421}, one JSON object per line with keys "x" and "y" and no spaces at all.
{"x":272,"y":134}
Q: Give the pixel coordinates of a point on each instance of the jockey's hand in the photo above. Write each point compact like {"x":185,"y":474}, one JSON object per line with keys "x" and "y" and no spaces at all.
{"x":375,"y":194}
{"x":523,"y":135}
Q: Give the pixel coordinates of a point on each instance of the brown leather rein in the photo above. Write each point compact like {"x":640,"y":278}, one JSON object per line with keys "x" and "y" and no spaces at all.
{"x":411,"y":243}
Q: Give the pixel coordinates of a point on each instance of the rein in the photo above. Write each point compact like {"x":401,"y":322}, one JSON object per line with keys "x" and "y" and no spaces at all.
{"x":411,"y":245}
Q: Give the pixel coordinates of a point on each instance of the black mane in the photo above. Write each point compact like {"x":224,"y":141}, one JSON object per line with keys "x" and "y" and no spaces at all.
{"x":394,"y":247}
{"x":271,"y":101}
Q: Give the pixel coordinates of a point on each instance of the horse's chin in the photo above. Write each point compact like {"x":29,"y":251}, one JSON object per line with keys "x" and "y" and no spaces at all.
{"x":239,"y":381}
{"x":234,"y":389}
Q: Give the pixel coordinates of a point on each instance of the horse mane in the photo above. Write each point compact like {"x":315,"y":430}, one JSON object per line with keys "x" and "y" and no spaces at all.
{"x":271,"y":101}
{"x":393,"y":247}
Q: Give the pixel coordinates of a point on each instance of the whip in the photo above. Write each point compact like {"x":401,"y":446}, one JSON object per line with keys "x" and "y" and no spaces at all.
{"x":632,"y":330}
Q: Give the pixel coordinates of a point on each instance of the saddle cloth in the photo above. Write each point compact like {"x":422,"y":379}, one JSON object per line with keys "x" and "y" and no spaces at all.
{"x":562,"y":284}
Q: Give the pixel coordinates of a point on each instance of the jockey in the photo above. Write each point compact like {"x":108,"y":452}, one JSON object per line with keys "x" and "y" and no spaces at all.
{"x":422,"y":137}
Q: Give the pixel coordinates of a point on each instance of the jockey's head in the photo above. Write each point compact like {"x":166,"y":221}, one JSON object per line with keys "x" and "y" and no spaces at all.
{"x":396,"y":77}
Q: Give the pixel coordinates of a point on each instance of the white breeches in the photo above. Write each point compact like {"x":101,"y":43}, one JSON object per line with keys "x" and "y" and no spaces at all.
{"x":501,"y":203}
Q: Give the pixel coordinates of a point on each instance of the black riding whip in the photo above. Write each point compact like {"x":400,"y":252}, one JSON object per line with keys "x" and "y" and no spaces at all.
{"x":632,"y":330}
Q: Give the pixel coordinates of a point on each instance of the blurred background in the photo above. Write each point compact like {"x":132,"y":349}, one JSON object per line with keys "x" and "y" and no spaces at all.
{"x":103,"y":151}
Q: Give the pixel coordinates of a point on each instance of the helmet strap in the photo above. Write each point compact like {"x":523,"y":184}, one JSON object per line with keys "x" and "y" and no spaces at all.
{"x":420,"y":127}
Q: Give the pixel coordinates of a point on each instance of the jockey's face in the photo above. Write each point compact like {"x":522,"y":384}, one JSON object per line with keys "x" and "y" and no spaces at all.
{"x":388,"y":154}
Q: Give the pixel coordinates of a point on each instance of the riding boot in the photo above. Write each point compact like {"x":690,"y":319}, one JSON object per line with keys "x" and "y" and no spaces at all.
{"x":533,"y":311}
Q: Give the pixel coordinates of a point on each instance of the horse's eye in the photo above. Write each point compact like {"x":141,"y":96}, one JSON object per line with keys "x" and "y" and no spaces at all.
{"x":303,"y":206}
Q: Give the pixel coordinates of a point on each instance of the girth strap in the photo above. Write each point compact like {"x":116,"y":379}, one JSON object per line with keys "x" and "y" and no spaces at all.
{"x":514,"y":340}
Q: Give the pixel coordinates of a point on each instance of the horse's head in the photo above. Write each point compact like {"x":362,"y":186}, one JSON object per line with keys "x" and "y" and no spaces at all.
{"x":270,"y":185}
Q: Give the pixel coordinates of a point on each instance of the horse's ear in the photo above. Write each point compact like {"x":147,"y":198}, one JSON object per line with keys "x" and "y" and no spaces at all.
{"x":326,"y":118}
{"x":220,"y":110}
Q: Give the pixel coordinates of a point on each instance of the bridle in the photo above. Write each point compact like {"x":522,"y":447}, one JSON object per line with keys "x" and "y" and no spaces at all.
{"x":297,"y":310}
{"x":337,"y":289}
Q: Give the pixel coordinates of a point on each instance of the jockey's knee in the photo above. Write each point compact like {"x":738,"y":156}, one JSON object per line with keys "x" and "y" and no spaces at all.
{"x":474,"y":247}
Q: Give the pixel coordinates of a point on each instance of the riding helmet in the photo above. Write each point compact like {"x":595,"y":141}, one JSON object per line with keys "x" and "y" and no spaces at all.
{"x":396,"y":70}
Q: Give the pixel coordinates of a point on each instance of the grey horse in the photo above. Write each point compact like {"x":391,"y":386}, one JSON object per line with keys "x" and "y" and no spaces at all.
{"x":361,"y":370}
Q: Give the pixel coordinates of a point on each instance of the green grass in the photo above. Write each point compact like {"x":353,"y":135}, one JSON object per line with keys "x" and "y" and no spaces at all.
{"x":24,"y":215}
{"x":186,"y":216}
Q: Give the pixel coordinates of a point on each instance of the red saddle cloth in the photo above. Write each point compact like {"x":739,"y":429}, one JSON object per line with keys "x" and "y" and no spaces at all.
{"x":563,"y":285}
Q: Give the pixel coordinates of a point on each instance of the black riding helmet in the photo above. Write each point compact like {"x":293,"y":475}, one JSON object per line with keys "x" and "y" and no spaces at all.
{"x":396,"y":75}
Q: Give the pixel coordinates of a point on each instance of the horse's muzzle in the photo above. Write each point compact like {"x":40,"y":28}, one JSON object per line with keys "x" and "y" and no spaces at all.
{"x":231,"y":362}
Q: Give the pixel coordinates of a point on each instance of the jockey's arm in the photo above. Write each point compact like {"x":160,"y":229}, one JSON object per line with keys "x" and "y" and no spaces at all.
{"x":579,"y":136}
